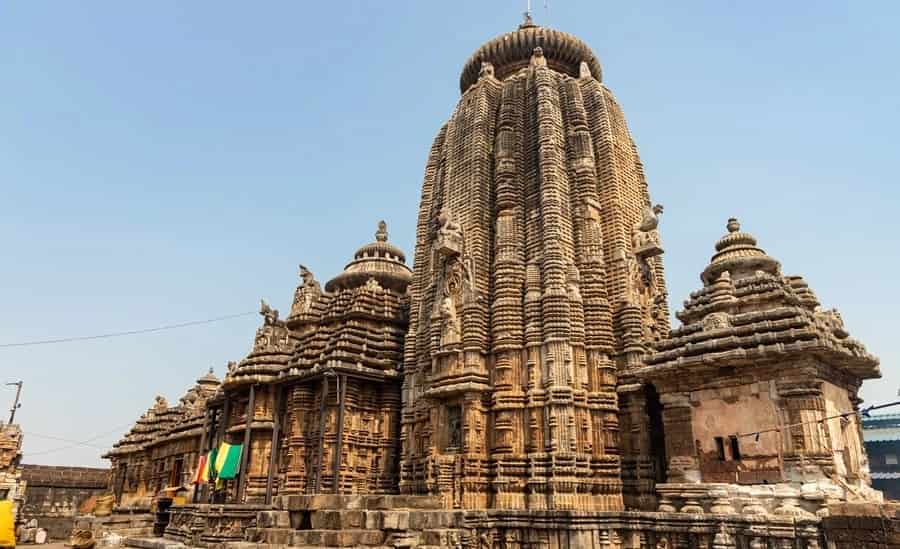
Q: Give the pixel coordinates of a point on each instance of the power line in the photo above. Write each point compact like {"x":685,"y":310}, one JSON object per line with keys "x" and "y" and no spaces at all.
{"x":127,"y":333}
{"x":74,"y":443}
{"x":865,"y":412}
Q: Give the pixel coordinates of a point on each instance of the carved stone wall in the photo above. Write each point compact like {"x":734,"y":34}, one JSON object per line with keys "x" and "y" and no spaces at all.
{"x":528,"y":298}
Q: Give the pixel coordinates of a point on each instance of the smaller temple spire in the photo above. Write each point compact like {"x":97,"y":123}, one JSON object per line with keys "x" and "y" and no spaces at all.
{"x":381,"y":235}
{"x":738,"y":254}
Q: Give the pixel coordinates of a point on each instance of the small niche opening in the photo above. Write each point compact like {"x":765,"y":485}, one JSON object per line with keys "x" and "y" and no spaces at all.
{"x":720,"y":448}
{"x":454,"y":428}
{"x":735,"y":447}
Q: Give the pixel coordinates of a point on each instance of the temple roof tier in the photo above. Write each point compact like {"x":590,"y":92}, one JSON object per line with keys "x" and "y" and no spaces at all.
{"x":748,"y":313}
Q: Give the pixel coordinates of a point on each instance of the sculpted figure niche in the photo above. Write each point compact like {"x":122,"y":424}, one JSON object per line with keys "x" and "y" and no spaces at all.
{"x":449,"y":235}
{"x":449,"y":323}
{"x":645,"y":237}
{"x":272,"y":335}
{"x":306,"y":292}
{"x":270,"y":315}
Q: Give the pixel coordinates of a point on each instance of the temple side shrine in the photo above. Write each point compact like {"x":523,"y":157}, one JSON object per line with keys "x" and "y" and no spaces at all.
{"x":521,"y":386}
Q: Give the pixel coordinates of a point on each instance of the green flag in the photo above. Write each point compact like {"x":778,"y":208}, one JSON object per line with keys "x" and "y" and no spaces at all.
{"x":228,"y":460}
{"x":211,"y":463}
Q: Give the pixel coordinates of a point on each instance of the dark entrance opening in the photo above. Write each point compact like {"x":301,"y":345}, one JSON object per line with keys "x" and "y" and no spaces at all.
{"x":657,"y":433}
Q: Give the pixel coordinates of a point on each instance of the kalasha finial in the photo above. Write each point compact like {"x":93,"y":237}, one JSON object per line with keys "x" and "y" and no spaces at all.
{"x":211,"y":370}
{"x":528,"y":21}
{"x":381,"y":234}
{"x":733,"y":226}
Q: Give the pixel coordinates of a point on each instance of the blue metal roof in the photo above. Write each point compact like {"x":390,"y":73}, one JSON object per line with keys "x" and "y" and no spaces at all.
{"x":885,"y":476}
{"x":881,"y":434}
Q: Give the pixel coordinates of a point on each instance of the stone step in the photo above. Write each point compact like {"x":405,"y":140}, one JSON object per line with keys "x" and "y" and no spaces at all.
{"x":440,"y":537}
{"x":338,"y":538}
{"x":153,"y":543}
{"x":338,"y":502}
{"x":379,"y":519}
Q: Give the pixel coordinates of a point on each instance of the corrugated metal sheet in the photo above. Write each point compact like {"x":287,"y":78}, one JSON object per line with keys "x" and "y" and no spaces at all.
{"x":886,"y":434}
{"x":881,"y":420}
{"x":885,"y":476}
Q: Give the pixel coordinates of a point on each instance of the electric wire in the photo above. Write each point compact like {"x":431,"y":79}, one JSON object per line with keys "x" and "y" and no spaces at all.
{"x":865,"y":412}
{"x":125,"y":333}
{"x":74,"y":443}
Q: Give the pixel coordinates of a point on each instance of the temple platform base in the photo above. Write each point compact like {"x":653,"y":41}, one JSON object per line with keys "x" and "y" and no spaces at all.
{"x":418,"y":522}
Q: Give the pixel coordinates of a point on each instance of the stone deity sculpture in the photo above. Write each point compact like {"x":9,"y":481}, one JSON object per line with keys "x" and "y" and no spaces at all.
{"x":449,"y":323}
{"x":645,"y":239}
{"x":306,"y":293}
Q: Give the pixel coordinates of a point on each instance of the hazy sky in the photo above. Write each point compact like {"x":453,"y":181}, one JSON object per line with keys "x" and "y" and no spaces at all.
{"x":170,"y":161}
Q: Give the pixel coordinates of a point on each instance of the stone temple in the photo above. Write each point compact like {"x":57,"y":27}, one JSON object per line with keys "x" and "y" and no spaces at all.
{"x":521,"y":387}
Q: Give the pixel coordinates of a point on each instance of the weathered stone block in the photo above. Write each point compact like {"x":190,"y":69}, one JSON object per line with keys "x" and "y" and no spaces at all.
{"x":273,"y":519}
{"x":395,"y":520}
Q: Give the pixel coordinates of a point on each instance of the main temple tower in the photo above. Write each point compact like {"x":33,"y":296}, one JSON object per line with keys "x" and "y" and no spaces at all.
{"x":537,"y":286}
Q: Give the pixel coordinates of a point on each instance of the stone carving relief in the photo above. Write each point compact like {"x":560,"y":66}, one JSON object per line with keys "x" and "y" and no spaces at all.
{"x":487,"y":70}
{"x":659,"y":322}
{"x":449,"y":235}
{"x":645,"y":237}
{"x":454,"y":427}
{"x":573,"y":281}
{"x":372,"y":285}
{"x":189,"y":398}
{"x":270,"y":315}
{"x":715,"y":321}
{"x":272,"y":335}
{"x":450,"y":333}
{"x":306,"y":293}
{"x":584,"y":71}
{"x":537,"y":57}
{"x":832,"y":322}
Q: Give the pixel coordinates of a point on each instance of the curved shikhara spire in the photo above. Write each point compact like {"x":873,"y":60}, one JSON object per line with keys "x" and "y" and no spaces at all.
{"x":537,"y":284}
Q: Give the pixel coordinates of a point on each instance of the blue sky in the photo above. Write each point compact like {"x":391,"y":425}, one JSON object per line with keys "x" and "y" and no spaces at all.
{"x":170,"y":161}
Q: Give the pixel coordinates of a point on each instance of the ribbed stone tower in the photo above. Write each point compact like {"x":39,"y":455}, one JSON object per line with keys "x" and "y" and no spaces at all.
{"x":537,"y":285}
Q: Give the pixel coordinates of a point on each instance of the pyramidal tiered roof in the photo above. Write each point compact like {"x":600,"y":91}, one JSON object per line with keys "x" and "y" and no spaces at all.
{"x":162,"y":422}
{"x":359,"y":320}
{"x":748,"y":311}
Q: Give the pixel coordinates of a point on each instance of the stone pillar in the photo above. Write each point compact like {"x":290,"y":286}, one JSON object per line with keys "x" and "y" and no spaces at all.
{"x":638,"y":474}
{"x":807,"y":448}
{"x":683,"y":464}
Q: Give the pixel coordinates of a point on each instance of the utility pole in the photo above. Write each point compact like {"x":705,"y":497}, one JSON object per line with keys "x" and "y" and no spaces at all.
{"x":16,"y":405}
